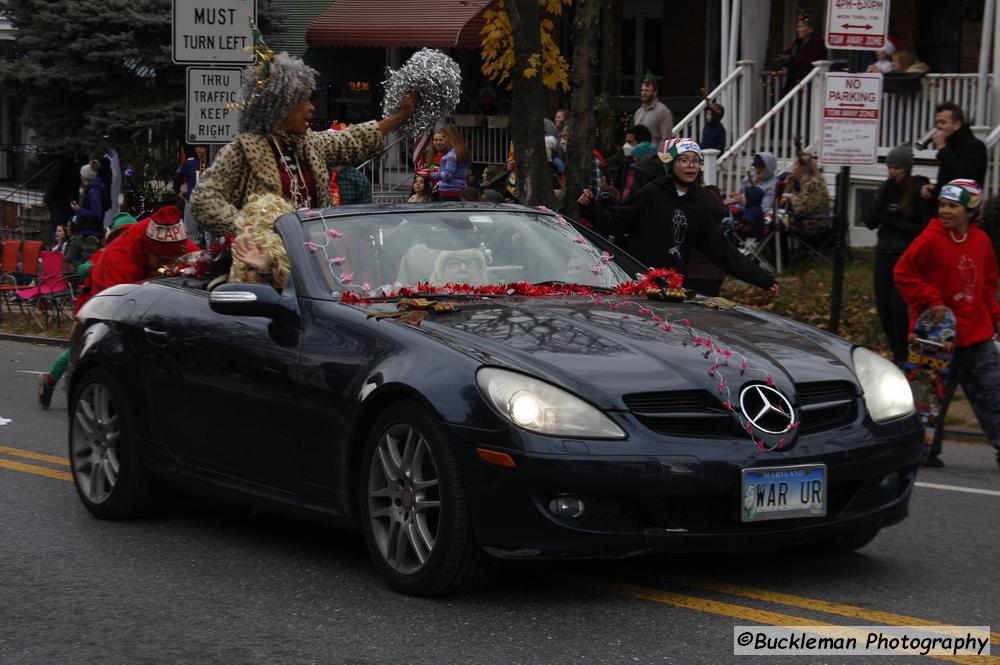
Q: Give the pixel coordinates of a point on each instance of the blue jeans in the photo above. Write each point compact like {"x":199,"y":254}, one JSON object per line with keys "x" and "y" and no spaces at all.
{"x":977,"y":369}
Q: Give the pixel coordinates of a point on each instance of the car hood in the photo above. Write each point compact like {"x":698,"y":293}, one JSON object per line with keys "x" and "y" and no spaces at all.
{"x":614,"y":347}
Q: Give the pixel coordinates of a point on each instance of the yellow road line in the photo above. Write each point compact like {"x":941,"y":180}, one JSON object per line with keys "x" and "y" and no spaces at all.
{"x":851,"y":611}
{"x":37,"y":470}
{"x":28,"y":454}
{"x":751,"y":614}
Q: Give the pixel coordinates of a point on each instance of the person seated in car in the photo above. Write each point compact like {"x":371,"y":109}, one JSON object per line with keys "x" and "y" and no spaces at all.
{"x":578,"y":271}
{"x":462,"y":266}
{"x":259,"y":254}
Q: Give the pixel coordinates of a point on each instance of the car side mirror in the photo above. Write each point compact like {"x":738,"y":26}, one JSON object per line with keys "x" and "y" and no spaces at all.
{"x":245,"y":299}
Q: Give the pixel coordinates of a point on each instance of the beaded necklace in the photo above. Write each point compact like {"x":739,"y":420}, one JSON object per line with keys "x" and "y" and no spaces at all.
{"x":297,"y":183}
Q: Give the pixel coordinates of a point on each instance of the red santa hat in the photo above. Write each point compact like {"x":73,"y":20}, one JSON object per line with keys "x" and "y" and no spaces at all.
{"x":164,"y":234}
{"x":890,"y":45}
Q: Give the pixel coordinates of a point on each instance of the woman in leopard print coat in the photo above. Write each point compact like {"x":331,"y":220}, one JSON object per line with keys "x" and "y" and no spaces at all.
{"x":277,"y":153}
{"x":276,"y":149}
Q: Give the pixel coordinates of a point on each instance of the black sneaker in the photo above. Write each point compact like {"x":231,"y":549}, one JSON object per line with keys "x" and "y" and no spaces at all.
{"x":45,"y":390}
{"x":933,"y":462}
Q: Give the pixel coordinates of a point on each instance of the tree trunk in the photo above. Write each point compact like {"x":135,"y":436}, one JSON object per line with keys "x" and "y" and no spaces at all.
{"x":583,"y":126}
{"x":528,"y":105}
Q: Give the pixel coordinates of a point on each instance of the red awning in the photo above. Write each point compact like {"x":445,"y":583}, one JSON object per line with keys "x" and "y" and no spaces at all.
{"x":438,"y":24}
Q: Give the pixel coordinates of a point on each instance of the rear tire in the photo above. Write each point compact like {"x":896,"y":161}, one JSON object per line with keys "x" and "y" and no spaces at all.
{"x":104,"y":455}
{"x":414,"y":507}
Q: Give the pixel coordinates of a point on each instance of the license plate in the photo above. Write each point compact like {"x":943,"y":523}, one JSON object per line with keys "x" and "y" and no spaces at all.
{"x":783,"y":492}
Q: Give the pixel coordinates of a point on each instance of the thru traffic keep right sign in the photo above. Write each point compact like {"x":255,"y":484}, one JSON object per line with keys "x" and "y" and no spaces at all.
{"x":210,"y":92}
{"x":858,"y":25}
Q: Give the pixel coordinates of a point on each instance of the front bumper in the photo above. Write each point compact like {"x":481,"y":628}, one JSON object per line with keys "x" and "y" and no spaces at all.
{"x":677,"y":495}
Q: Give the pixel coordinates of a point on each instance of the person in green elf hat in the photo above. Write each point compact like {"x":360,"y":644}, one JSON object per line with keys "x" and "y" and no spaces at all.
{"x":653,"y":113}
{"x":47,"y":381}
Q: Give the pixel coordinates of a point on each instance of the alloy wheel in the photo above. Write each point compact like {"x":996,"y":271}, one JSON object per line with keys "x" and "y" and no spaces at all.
{"x":94,"y":443}
{"x":404,"y":501}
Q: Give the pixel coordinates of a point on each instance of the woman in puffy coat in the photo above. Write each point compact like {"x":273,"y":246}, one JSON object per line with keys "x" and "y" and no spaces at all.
{"x":90,"y":210}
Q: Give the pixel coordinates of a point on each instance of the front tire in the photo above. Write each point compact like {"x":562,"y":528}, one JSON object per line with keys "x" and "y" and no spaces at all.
{"x":107,"y":470}
{"x":414,"y":507}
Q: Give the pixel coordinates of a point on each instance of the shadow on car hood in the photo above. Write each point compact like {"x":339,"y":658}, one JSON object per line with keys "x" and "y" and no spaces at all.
{"x":619,"y":349}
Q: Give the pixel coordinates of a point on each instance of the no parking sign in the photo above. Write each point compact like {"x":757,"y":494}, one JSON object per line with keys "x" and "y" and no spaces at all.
{"x":852,"y":105}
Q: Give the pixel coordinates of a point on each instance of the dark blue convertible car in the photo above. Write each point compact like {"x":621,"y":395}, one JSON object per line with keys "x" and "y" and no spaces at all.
{"x":511,"y":403}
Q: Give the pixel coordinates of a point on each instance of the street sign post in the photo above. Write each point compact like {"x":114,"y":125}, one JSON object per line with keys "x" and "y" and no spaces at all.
{"x":858,"y":25}
{"x":852,"y":104}
{"x":213,"y":31}
{"x":209,"y":91}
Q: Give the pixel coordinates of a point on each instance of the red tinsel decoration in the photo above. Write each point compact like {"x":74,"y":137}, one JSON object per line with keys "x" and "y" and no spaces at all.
{"x":197,"y":264}
{"x":655,"y":279}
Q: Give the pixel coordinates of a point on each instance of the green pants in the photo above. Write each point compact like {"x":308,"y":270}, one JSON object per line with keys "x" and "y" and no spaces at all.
{"x":59,"y":366}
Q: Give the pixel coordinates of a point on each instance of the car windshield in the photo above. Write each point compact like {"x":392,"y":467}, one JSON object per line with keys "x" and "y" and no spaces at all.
{"x":387,"y":250}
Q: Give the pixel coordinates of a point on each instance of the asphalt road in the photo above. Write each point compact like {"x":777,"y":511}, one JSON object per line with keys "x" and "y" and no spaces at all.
{"x":205,"y":584}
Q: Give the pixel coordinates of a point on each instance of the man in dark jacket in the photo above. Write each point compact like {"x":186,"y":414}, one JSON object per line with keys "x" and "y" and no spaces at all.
{"x":960,"y":154}
{"x":666,"y":220}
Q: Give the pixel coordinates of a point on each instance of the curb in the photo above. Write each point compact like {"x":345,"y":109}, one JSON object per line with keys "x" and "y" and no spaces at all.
{"x":961,"y":431}
{"x":33,"y":339}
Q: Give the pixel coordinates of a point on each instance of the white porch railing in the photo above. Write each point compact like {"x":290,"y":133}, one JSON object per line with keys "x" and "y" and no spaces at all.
{"x":489,"y":144}
{"x":772,"y":86}
{"x":992,"y":185}
{"x":909,"y":116}
{"x":733,"y":94}
{"x":391,"y":172}
{"x":793,"y":118}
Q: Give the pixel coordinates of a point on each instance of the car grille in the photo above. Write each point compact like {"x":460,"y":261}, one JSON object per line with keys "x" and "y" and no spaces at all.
{"x":825,"y":405}
{"x":688,"y":413}
{"x":698,"y":413}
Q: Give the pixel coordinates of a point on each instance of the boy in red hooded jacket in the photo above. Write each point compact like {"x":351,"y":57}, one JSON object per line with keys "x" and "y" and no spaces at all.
{"x":137,"y":254}
{"x":952,"y":264}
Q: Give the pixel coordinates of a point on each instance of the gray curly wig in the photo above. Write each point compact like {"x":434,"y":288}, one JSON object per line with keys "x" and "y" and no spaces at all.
{"x":292,"y":81}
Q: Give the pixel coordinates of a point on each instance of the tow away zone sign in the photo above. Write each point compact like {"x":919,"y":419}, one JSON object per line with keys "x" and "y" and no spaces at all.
{"x":209,"y":91}
{"x":858,"y":25}
{"x":852,"y":104}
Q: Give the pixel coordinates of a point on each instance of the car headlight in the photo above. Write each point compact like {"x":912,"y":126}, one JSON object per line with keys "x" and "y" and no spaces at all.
{"x":541,"y":407}
{"x":887,"y":392}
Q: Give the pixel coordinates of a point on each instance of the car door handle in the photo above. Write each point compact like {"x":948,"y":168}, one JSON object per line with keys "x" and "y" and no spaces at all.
{"x":156,"y":337}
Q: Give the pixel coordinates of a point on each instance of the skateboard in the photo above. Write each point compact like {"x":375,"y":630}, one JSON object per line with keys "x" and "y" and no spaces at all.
{"x":927,"y":366}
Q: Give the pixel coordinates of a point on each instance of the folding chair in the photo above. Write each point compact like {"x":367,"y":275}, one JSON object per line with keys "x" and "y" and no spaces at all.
{"x":41,"y":301}
{"x":754,"y":248}
{"x":11,"y":253}
{"x":816,"y":238}
{"x":25,"y":275}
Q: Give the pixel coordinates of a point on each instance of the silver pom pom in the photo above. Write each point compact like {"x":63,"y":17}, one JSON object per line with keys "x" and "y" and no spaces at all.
{"x":438,"y":81}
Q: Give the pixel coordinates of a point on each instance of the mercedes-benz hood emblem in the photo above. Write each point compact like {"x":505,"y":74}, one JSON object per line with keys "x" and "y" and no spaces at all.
{"x":767,"y":409}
